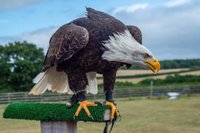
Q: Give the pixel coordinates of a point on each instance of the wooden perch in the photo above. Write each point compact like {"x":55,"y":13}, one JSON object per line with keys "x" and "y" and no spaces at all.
{"x":55,"y":117}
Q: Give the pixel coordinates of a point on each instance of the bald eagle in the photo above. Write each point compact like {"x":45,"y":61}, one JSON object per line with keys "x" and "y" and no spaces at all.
{"x":98,"y":43}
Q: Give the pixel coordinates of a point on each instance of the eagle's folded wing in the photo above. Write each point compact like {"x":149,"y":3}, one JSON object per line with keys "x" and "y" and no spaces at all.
{"x":66,"y":42}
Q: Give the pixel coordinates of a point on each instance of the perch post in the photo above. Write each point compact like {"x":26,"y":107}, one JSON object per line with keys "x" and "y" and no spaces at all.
{"x":58,"y":127}
{"x":55,"y":117}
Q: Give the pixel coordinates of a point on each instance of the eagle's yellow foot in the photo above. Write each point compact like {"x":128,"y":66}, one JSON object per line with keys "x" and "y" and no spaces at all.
{"x":84,"y":105}
{"x":114,"y":110}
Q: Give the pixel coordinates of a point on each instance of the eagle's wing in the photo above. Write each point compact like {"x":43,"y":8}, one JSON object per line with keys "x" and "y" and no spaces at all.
{"x":65,"y":42}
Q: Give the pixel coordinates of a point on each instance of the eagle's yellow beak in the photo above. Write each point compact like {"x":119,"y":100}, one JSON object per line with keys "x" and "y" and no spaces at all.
{"x":153,"y":64}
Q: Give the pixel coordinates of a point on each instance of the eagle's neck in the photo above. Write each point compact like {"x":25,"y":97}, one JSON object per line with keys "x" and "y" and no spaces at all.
{"x":120,"y":47}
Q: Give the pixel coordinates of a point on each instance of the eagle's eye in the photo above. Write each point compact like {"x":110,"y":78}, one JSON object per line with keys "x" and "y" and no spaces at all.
{"x":146,"y":55}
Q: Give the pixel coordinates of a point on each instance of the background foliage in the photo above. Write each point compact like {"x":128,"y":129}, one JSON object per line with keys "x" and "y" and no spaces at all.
{"x":177,"y":63}
{"x":20,"y":62}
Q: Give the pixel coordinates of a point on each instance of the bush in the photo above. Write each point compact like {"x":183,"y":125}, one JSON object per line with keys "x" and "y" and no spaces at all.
{"x":19,"y":64}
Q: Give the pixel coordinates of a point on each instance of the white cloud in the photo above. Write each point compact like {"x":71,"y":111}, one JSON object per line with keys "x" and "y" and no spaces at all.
{"x":39,"y":37}
{"x":174,"y":3}
{"x":168,"y":32}
{"x":6,"y":39}
{"x":10,"y":4}
{"x":131,"y":8}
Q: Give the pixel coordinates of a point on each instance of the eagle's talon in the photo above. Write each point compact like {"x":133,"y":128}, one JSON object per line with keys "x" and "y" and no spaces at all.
{"x":118,"y":113}
{"x":91,"y":117}
{"x":120,"y":118}
{"x":114,"y":110}
{"x":74,"y":117}
{"x":84,"y":105}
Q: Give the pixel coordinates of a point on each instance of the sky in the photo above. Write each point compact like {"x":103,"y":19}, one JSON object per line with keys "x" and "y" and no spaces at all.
{"x":170,"y":28}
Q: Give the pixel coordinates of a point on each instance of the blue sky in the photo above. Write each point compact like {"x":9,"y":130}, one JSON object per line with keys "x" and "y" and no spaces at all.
{"x":171,"y":28}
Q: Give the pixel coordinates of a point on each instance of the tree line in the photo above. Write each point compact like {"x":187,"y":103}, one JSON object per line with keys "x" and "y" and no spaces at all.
{"x":20,"y":62}
{"x":176,"y":63}
{"x":180,"y":63}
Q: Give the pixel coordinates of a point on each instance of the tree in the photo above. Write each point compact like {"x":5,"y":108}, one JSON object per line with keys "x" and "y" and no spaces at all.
{"x":20,"y":62}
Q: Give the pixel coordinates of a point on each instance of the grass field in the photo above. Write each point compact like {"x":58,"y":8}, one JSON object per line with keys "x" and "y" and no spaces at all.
{"x":136,"y":72}
{"x":138,"y":116}
{"x":165,"y":72}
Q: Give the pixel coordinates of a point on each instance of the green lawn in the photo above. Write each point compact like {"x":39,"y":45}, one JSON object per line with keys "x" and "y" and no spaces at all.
{"x":138,"y":116}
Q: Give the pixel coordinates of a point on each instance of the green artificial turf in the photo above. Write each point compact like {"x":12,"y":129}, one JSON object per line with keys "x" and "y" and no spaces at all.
{"x":51,"y":112}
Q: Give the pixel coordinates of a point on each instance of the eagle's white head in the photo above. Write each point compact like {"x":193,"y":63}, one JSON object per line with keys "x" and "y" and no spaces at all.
{"x":122,"y":47}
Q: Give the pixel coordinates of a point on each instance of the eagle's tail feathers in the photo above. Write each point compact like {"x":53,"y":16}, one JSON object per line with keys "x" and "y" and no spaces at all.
{"x":51,"y":80}
{"x":38,"y":77}
{"x":58,"y":82}
{"x":40,"y":87}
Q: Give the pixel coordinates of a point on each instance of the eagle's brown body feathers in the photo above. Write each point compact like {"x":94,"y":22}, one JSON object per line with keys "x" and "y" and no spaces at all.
{"x":76,"y":48}
{"x":98,"y":43}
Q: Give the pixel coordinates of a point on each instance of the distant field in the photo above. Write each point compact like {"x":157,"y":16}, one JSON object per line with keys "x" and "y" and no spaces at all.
{"x":138,"y":116}
{"x":136,"y":72}
{"x":142,"y":72}
{"x":191,"y":73}
{"x":136,"y":80}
